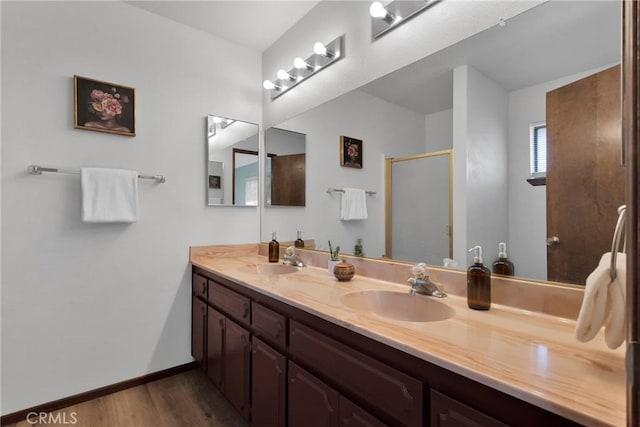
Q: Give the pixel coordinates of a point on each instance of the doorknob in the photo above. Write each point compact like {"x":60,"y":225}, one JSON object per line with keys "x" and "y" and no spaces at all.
{"x":553,"y":241}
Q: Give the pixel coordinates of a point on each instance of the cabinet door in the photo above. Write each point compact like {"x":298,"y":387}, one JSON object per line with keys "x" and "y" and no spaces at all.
{"x":236,"y":367}
{"x":311,"y":402}
{"x":448,"y":412}
{"x":354,"y":416}
{"x":269,"y":383}
{"x":198,"y":331}
{"x":215,"y":335}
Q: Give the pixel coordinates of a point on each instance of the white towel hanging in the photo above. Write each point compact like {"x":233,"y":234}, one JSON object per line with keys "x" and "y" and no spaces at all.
{"x":109,"y":195}
{"x":354,"y":205}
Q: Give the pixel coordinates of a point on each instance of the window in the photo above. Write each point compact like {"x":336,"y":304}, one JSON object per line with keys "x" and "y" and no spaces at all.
{"x":538,"y":144}
{"x":251,"y":191}
{"x":538,"y":149}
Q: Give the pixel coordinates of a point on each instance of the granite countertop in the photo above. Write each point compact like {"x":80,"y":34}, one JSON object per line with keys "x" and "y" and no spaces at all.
{"x":534,"y":357}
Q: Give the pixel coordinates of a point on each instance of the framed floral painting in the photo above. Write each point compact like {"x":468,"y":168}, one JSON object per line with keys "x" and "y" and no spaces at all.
{"x":104,"y":106}
{"x":350,"y":152}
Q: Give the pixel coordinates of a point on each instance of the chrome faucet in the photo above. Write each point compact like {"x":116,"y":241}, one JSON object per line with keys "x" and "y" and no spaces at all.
{"x":291,"y":257}
{"x":420,"y":283}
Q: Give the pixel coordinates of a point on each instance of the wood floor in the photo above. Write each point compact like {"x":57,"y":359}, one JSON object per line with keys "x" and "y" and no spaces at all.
{"x":186,"y":399}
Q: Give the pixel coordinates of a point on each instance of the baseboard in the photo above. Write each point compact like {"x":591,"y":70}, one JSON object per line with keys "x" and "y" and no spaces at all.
{"x":21,"y":415}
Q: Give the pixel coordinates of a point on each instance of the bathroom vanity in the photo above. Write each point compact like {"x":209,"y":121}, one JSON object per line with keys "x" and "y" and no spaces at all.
{"x":283,"y":348}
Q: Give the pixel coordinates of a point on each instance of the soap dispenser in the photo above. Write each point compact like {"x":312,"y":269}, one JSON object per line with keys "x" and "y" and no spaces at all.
{"x":274,"y":248}
{"x":478,"y":282}
{"x":299,"y":243}
{"x":502,"y":265}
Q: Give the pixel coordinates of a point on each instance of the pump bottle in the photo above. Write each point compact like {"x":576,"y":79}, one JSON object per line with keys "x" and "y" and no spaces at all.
{"x":274,"y":248}
{"x":502,"y":265}
{"x":478,"y":282}
{"x":299,"y":243}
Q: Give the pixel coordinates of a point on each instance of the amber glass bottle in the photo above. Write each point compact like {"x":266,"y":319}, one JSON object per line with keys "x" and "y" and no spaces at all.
{"x":478,"y":283}
{"x":274,"y":248}
{"x":299,"y":243}
{"x":502,"y":265}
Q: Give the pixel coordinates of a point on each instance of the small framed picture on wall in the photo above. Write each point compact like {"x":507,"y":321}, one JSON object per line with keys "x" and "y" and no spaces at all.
{"x":104,"y":107}
{"x":350,"y":152}
{"x":214,"y":181}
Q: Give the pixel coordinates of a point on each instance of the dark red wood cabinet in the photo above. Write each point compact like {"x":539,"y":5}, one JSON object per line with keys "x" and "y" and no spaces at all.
{"x":269,"y":391}
{"x":280,"y":366}
{"x":198,"y":328}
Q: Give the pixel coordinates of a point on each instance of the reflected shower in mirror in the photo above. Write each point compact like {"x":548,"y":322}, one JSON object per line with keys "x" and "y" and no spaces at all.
{"x":232,"y":162}
{"x":285,"y":167}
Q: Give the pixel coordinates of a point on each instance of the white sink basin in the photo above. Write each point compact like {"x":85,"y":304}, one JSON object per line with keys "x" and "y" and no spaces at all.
{"x":399,"y":306}
{"x":273,"y":269}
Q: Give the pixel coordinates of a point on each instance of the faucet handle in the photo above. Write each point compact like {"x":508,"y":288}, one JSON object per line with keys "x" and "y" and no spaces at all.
{"x":419,"y":271}
{"x":291,"y":251}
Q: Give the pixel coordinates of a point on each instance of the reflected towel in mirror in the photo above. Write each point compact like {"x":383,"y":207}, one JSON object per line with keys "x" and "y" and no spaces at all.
{"x":603,"y":303}
{"x":109,"y":195}
{"x":354,"y":205}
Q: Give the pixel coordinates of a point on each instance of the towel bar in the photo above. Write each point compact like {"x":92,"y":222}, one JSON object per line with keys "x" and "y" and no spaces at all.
{"x":37,"y":170}
{"x":340,"y":190}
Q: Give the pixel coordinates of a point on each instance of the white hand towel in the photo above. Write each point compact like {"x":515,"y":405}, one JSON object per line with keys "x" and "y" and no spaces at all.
{"x":603,"y":303}
{"x":354,"y":205}
{"x":109,"y":195}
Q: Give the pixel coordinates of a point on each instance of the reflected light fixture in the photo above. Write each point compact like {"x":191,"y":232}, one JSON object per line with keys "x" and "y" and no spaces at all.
{"x":377,"y":10}
{"x":386,"y":18}
{"x":323,"y":56}
{"x":301,"y":64}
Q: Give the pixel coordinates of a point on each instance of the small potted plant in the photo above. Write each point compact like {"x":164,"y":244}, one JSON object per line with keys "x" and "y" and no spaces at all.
{"x":334,"y":258}
{"x":358,"y":249}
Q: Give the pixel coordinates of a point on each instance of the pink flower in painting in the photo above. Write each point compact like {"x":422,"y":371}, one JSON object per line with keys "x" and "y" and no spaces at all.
{"x":97,"y":94}
{"x":352,"y":151}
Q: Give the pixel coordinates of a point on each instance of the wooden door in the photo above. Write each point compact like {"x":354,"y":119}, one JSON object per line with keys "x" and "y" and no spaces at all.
{"x":311,"y":402}
{"x":288,"y":180}
{"x":269,"y":380}
{"x":585,"y":179}
{"x":236,"y":367}
{"x":354,"y":416}
{"x":198,"y":331}
{"x":215,"y":330}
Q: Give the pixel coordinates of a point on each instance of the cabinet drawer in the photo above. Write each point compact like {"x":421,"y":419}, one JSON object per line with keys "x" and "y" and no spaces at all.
{"x":448,"y":412}
{"x":393,"y":392}
{"x":199,"y":286}
{"x":269,"y":325}
{"x":232,"y":303}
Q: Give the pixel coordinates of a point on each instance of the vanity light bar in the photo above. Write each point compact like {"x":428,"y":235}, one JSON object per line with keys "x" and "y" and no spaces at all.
{"x":394,"y":14}
{"x":323,"y":56}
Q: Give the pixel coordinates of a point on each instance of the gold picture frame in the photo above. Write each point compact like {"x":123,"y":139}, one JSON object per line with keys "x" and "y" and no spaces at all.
{"x":351,"y":154}
{"x":103,"y":107}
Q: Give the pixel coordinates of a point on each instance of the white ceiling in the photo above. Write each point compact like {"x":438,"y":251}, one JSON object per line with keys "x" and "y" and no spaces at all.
{"x":553,"y":40}
{"x":253,"y":24}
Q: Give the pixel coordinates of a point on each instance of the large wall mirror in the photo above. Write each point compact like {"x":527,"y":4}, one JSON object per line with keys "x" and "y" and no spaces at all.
{"x":480,"y":98}
{"x":285,"y":166}
{"x":232,"y":162}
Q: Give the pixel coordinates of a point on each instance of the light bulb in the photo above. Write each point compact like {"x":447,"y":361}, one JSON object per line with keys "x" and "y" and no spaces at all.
{"x":268,"y":85}
{"x":377,"y":10}
{"x":283,"y":75}
{"x":319,"y":49}
{"x":300,"y":63}
{"x":217,"y":119}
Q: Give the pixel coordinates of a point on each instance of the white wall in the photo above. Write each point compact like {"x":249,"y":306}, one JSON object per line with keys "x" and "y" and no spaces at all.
{"x":438,"y":27}
{"x":84,"y":306}
{"x":527,"y":204}
{"x":386,"y":130}
{"x":481,"y":113}
{"x":439,"y":130}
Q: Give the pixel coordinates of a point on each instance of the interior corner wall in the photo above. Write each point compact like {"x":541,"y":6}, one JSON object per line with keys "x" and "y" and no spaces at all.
{"x":386,"y":130}
{"x":88,"y":305}
{"x":483,"y":143}
{"x":365,"y":60}
{"x":439,"y":130}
